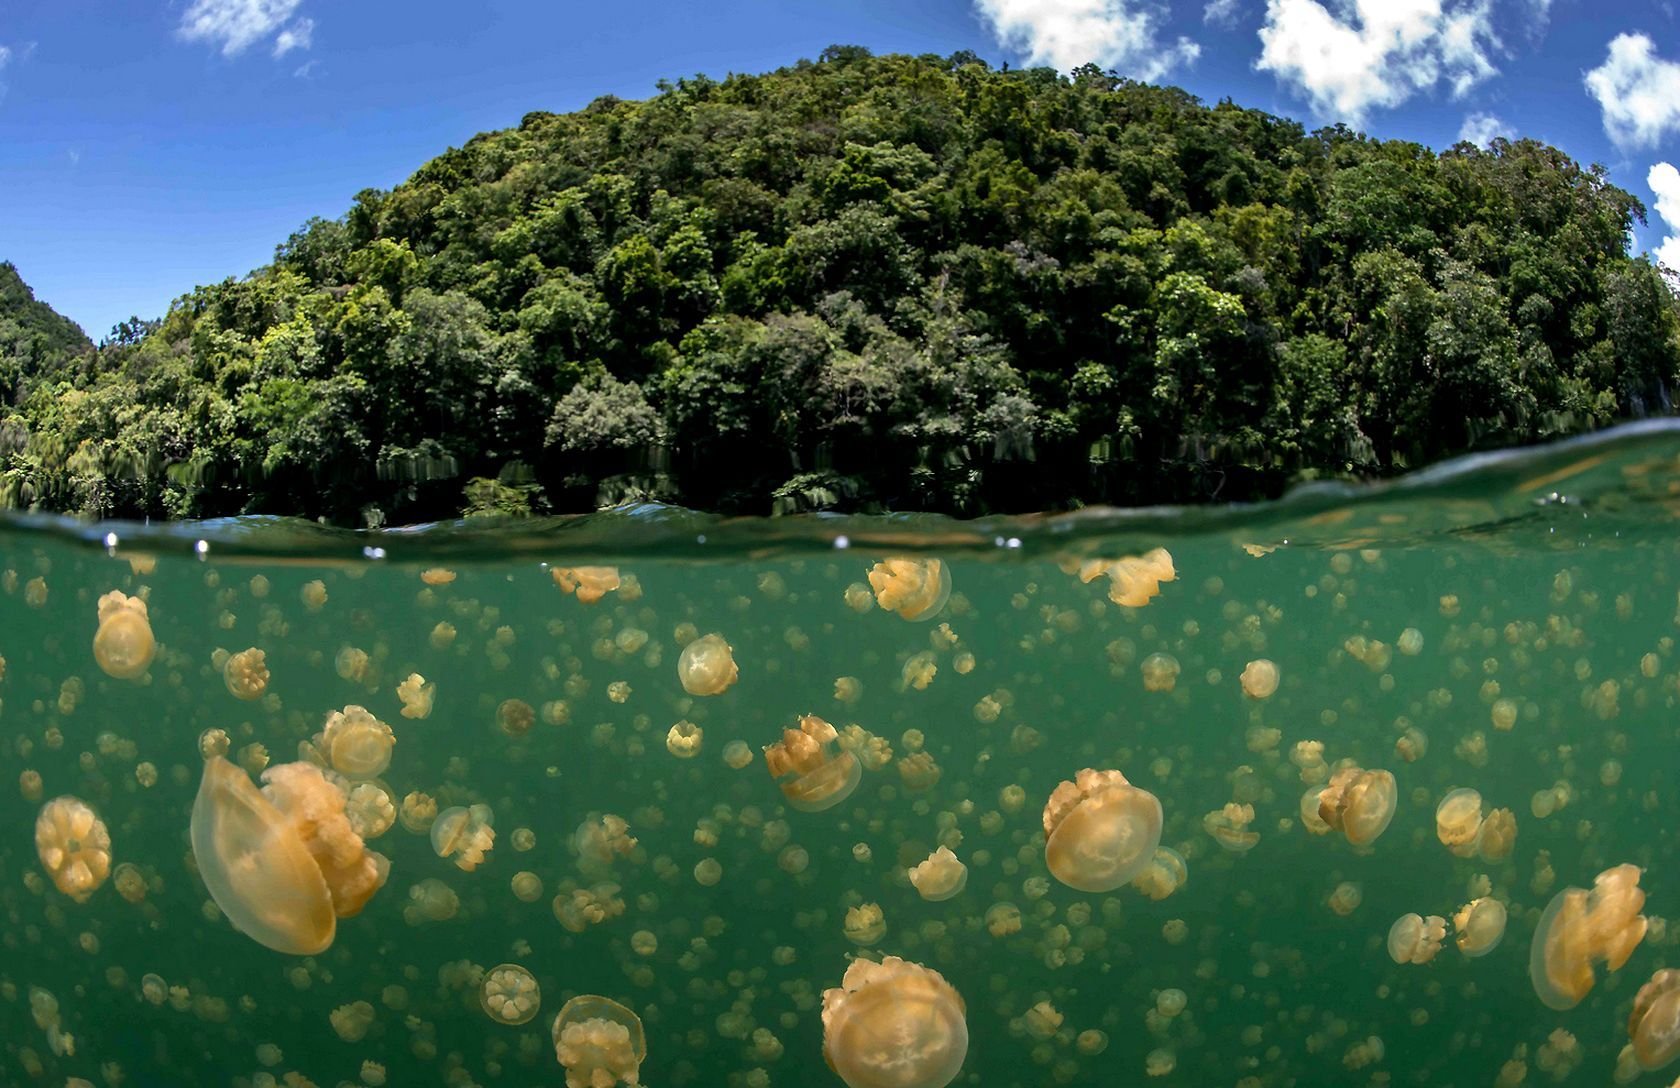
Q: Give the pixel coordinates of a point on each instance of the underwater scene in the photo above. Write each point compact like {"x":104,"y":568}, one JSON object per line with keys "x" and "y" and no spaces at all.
{"x":1369,"y":786}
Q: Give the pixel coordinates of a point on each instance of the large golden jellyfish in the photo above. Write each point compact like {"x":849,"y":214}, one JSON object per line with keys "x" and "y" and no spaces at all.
{"x":355,"y":743}
{"x":600,"y":1042}
{"x":812,"y":772}
{"x":282,"y":862}
{"x":1358,"y":803}
{"x":914,"y":588}
{"x":123,"y":645}
{"x":707,"y":666}
{"x":894,"y":1024}
{"x":588,"y":584}
{"x":1100,"y":830}
{"x":1654,"y":1024}
{"x":1134,"y":580}
{"x":1579,"y":927}
{"x":74,"y":846}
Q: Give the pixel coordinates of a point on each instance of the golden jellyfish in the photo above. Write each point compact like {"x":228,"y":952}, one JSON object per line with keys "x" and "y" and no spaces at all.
{"x":431,"y":900}
{"x":600,"y":840}
{"x":894,"y":1024}
{"x":707,"y":666}
{"x":1100,"y":830}
{"x":599,"y":1042}
{"x":509,"y":994}
{"x":246,"y":674}
{"x":355,"y":743}
{"x":683,"y":740}
{"x":810,"y":769}
{"x":1160,"y":672}
{"x":465,"y":835}
{"x":1479,"y":926}
{"x":282,"y":863}
{"x":1581,"y":927}
{"x":940,"y":877}
{"x":1498,"y":835}
{"x":916,"y":589}
{"x":865,"y":924}
{"x":370,"y":810}
{"x":515,"y":717}
{"x":1415,"y":939}
{"x":1458,"y":820}
{"x":437,"y":576}
{"x":74,"y":846}
{"x":1346,"y":898}
{"x":589,"y":584}
{"x":1358,"y":803}
{"x":1260,"y":679}
{"x":1229,"y":827}
{"x":123,"y":645}
{"x":417,"y":812}
{"x":351,"y":1022}
{"x":1165,"y":874}
{"x":416,"y":696}
{"x":1654,"y":1024}
{"x":1134,"y":580}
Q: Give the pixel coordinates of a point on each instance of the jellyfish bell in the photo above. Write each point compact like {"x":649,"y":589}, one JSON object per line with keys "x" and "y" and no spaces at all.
{"x":464,"y":834}
{"x":1654,"y":1024}
{"x":1458,"y":820}
{"x":355,"y":743}
{"x":74,"y":846}
{"x":894,"y":1024}
{"x":599,"y":1042}
{"x":707,"y":666}
{"x":1479,"y":926}
{"x":940,"y":877}
{"x":1415,"y":939}
{"x":588,"y":584}
{"x":1134,"y":580}
{"x":123,"y":645}
{"x":1259,"y":679}
{"x":810,"y":769}
{"x":1581,"y":927}
{"x":916,"y":589}
{"x":1100,"y":830}
{"x":1358,"y":803}
{"x":1164,"y":875}
{"x":246,"y":674}
{"x":509,"y":994}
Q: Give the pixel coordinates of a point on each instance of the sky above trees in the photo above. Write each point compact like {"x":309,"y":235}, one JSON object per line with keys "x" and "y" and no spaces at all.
{"x":176,"y":143}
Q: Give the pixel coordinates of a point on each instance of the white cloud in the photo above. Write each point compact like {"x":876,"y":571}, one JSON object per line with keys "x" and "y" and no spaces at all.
{"x":1221,"y":13}
{"x":1376,"y":53}
{"x":236,"y":25}
{"x":5,"y":56}
{"x":1068,"y":33}
{"x":1664,"y":181}
{"x":1481,"y":128}
{"x":1638,"y":91}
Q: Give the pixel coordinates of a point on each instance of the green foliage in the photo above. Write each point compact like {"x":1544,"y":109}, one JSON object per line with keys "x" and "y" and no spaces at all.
{"x":865,"y":282}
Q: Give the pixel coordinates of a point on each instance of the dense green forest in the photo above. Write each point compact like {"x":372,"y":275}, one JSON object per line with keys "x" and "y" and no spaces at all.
{"x":38,"y":347}
{"x":862,"y":283}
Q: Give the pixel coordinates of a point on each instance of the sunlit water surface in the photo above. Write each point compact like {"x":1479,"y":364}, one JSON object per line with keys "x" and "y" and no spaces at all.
{"x":1539,"y":591}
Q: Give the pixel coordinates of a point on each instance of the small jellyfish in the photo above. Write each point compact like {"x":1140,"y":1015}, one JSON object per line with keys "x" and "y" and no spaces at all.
{"x":515,"y":717}
{"x":599,"y":1042}
{"x":416,"y":696}
{"x":1458,"y":820}
{"x":123,"y":645}
{"x":1415,"y":939}
{"x":1498,"y":835}
{"x":1358,"y":803}
{"x":355,"y":743}
{"x":894,"y":1024}
{"x":1479,"y":926}
{"x":351,"y":1022}
{"x":589,"y":584}
{"x":1580,"y":927}
{"x":417,"y":812}
{"x":865,"y":924}
{"x":352,"y":664}
{"x":1346,"y":898}
{"x":246,"y":674}
{"x":600,"y":840}
{"x":1654,"y":1024}
{"x":509,"y":994}
{"x":707,"y":666}
{"x":431,"y":900}
{"x":1229,"y":827}
{"x":74,"y":847}
{"x":465,"y":835}
{"x":916,"y":589}
{"x":1160,"y":672}
{"x":437,"y":576}
{"x":1100,"y":830}
{"x":1165,"y":874}
{"x":370,"y":810}
{"x":1134,"y":580}
{"x":1260,"y":679}
{"x":812,"y":773}
{"x":940,"y":877}
{"x":683,"y":740}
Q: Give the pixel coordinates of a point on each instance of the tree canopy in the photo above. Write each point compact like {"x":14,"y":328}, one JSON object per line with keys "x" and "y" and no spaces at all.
{"x":862,"y":283}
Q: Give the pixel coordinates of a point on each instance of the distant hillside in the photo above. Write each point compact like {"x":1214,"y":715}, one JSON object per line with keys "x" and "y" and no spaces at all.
{"x":876,"y":282}
{"x":37,"y":344}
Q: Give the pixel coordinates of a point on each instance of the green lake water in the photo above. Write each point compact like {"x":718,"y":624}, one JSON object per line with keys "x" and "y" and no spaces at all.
{"x":1539,"y":589}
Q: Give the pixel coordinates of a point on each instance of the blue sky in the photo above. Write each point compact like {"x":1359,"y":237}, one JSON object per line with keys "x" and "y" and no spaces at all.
{"x":150,"y":145}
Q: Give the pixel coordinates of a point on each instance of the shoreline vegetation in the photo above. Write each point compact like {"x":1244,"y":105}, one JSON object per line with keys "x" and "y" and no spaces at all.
{"x":864,"y":283}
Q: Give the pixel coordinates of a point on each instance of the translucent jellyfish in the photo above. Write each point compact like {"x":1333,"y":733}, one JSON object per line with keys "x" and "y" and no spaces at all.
{"x":416,"y":696}
{"x":1415,"y":939}
{"x":916,"y":589}
{"x":246,"y":674}
{"x":1479,"y":926}
{"x":1260,"y":679}
{"x":894,"y":1024}
{"x":806,"y":763}
{"x":437,"y":576}
{"x":1498,"y":835}
{"x":600,"y":840}
{"x":1458,"y":820}
{"x":1654,"y":1024}
{"x":123,"y":645}
{"x":1580,"y":927}
{"x":417,"y":812}
{"x":355,"y":743}
{"x":465,"y":835}
{"x":683,"y":740}
{"x":1229,"y":827}
{"x":865,"y":924}
{"x":600,"y":1043}
{"x":1003,"y":920}
{"x":1135,"y":580}
{"x":509,"y":994}
{"x":1100,"y":830}
{"x":1346,"y":898}
{"x":130,"y":882}
{"x":590,"y":584}
{"x":940,"y":877}
{"x":351,"y":1022}
{"x":431,"y":900}
{"x":1160,"y":672}
{"x":515,"y":717}
{"x":74,"y":846}
{"x":370,"y":810}
{"x":1165,"y":874}
{"x":707,"y":666}
{"x":282,"y":863}
{"x":1358,"y":803}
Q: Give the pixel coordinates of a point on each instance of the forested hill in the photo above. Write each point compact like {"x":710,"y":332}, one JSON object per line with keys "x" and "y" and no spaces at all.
{"x":875,"y":282}
{"x":38,"y":346}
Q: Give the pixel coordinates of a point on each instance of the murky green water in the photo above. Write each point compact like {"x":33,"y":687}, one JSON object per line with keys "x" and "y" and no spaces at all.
{"x":1543,"y":588}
